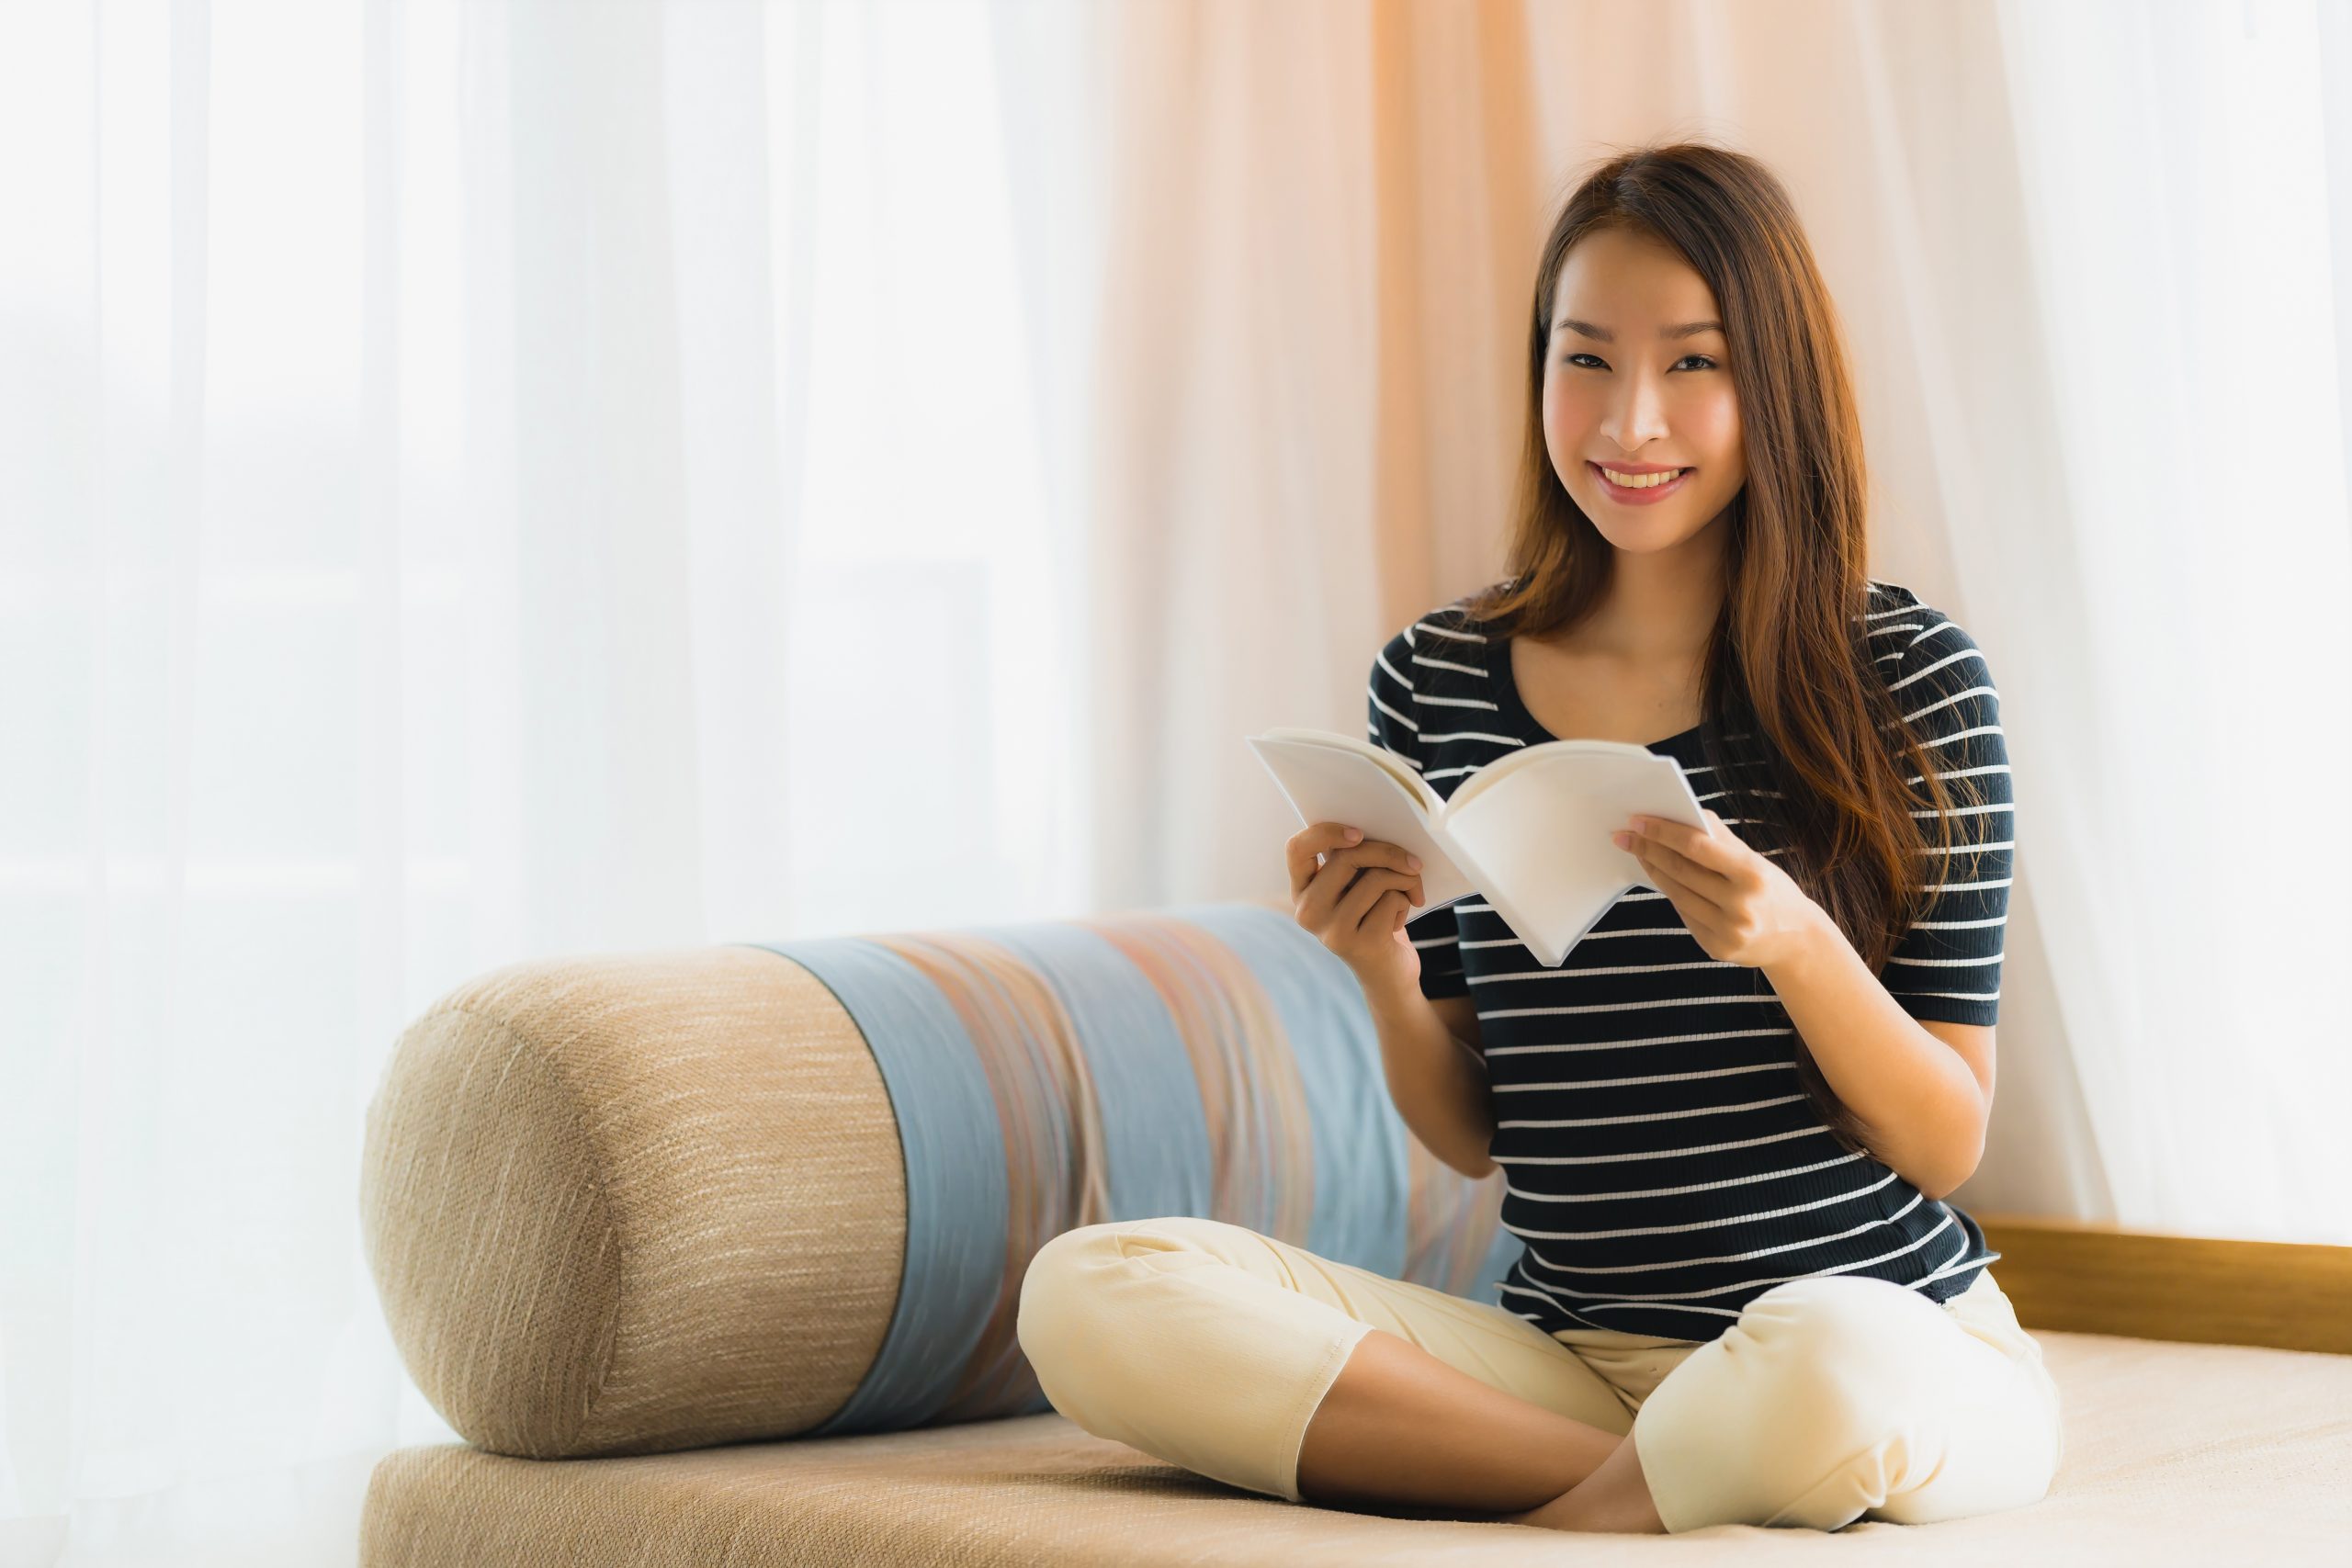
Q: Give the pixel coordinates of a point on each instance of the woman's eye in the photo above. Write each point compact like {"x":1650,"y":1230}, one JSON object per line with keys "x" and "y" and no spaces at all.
{"x":1703,"y":359}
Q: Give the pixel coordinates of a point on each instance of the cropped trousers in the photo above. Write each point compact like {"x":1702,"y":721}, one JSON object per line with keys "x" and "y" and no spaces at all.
{"x":1831,"y":1398}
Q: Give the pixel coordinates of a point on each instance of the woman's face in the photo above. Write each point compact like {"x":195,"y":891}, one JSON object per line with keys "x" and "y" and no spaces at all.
{"x":1623,"y":385}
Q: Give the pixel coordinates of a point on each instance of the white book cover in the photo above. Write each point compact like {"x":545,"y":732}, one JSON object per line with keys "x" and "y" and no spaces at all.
{"x":1528,"y":830}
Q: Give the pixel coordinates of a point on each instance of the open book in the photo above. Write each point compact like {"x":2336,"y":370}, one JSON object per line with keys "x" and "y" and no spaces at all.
{"x":1528,"y":830}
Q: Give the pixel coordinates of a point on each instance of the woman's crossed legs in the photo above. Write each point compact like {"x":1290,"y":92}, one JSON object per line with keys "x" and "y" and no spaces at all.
{"x":1258,"y":1363}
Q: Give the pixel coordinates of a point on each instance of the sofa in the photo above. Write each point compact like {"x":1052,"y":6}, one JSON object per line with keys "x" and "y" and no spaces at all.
{"x":712,"y":1256}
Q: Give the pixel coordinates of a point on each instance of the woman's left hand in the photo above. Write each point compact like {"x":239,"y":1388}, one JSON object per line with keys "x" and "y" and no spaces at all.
{"x":1741,"y":906}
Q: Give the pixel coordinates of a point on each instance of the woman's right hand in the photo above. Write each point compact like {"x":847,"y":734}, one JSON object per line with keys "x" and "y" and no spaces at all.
{"x":1357,"y":899}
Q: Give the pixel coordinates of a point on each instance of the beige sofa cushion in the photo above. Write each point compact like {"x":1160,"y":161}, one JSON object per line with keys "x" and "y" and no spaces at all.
{"x":2189,"y":1454}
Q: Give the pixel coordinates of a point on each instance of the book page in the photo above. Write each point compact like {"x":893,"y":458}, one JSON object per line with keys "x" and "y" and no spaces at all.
{"x":1327,"y":783}
{"x":1542,"y":837}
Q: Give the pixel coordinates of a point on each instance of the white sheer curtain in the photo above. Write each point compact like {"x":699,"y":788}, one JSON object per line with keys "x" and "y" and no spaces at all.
{"x":2127,"y":331}
{"x":476,"y":481}
{"x":2189,"y":178}
{"x":480,"y":480}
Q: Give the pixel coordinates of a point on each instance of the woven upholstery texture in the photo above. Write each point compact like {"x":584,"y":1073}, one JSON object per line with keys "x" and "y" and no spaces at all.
{"x":601,"y":1217}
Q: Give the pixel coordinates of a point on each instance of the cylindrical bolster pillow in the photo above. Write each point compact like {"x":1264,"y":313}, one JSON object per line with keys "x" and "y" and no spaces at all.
{"x":634,"y":1203}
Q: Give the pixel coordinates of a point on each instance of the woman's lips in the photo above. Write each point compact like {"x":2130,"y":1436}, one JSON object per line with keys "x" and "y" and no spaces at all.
{"x":1643,"y":497}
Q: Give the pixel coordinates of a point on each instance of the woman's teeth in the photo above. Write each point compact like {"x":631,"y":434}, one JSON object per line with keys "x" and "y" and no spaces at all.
{"x":1644,"y":481}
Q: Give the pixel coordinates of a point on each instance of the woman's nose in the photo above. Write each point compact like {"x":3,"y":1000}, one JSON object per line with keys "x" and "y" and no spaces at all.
{"x":1639,"y":414}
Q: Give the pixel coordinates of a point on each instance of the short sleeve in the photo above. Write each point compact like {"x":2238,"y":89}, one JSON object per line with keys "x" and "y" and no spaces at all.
{"x":1948,"y":966}
{"x":1396,"y":729}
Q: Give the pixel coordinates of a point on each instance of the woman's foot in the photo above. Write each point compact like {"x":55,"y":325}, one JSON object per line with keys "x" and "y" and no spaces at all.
{"x":1552,"y":1515}
{"x":1614,"y":1499}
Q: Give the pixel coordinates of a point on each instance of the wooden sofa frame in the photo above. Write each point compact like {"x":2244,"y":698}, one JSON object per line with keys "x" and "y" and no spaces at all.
{"x":2076,"y":1277}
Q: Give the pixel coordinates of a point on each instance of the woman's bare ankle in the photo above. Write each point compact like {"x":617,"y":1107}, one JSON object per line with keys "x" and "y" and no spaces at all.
{"x":1614,"y":1499}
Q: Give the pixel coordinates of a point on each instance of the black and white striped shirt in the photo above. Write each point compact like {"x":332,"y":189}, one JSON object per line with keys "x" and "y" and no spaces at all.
{"x":1659,"y":1156}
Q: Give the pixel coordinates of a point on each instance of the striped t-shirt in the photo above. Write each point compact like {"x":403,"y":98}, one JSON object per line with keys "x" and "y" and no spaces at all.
{"x":1659,"y":1156}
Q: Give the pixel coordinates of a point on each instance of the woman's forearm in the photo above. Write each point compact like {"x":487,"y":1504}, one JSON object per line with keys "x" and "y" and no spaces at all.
{"x":1924,"y":1109}
{"x":1439,"y":1089}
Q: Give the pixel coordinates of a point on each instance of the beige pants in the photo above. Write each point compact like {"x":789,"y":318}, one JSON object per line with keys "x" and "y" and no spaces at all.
{"x":1831,"y":1398}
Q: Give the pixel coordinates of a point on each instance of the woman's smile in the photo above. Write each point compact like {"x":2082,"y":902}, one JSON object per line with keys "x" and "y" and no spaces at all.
{"x":1642,"y":495}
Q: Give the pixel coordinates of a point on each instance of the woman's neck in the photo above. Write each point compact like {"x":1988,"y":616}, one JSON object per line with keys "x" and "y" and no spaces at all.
{"x":1661,"y":606}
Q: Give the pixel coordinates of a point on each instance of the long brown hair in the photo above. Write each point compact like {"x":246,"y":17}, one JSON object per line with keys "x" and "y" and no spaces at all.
{"x":1797,"y":720}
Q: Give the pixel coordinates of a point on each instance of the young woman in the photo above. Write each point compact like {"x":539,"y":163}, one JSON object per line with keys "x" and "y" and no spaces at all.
{"x":1727,"y":1124}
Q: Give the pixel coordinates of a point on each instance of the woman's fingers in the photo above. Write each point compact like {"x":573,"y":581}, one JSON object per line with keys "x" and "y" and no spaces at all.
{"x":1308,"y":843}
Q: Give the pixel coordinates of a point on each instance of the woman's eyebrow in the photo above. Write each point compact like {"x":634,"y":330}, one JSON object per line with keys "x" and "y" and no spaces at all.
{"x":1602,"y":334}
